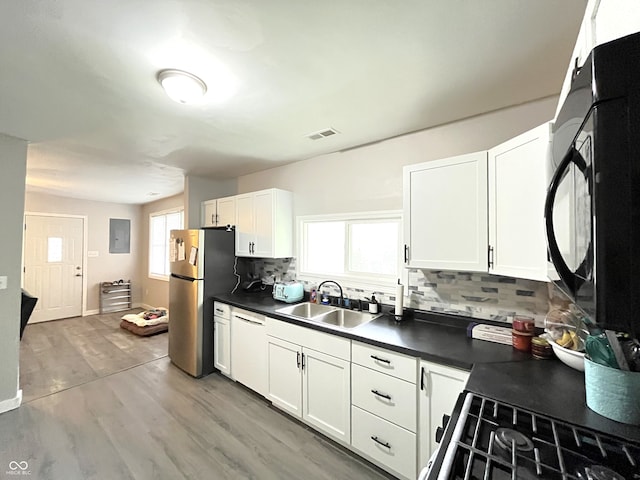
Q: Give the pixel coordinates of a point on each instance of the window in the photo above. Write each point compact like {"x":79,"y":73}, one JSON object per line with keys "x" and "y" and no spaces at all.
{"x":359,"y":248}
{"x":160,"y":225}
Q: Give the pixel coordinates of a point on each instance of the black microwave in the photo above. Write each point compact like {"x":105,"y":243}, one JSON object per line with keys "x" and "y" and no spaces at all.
{"x":592,"y":210}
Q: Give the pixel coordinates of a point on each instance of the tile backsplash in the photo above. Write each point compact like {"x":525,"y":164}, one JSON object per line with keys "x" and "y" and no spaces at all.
{"x":469,"y":294}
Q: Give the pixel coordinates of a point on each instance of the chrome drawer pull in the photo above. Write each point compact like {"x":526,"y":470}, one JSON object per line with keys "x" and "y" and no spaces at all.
{"x":383,"y":395}
{"x":379,"y":442}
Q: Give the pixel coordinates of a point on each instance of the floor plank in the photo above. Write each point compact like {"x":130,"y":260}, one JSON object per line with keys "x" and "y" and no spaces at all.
{"x":150,"y":420}
{"x":61,"y":354}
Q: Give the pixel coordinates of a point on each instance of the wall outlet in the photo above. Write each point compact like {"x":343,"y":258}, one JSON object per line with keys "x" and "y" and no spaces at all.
{"x":3,"y":282}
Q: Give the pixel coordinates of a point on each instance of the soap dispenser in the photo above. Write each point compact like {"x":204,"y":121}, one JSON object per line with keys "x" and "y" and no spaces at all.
{"x":373,"y":304}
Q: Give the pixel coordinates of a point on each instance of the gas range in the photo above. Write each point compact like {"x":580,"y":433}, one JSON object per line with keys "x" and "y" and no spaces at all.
{"x":492,"y":440}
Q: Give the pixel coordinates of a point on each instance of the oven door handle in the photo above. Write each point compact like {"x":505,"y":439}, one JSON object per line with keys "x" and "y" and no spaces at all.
{"x":571,"y":280}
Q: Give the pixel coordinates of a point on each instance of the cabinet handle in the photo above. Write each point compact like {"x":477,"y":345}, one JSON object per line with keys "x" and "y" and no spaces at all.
{"x":303,"y":361}
{"x":298,"y":359}
{"x":380,"y":442}
{"x":576,"y":68}
{"x":383,"y":395}
{"x":213,"y":219}
{"x":217,"y":218}
{"x":421,"y":378}
{"x":490,"y":256}
{"x":406,"y":253}
{"x":383,"y":360}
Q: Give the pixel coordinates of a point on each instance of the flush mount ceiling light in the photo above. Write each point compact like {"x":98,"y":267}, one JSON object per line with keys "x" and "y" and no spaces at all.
{"x":181,"y":86}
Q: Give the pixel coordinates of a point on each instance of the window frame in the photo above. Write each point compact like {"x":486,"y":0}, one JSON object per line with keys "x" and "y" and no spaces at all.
{"x":361,"y":281}
{"x":160,"y":213}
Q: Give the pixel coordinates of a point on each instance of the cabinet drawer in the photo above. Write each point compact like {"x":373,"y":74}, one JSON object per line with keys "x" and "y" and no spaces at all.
{"x":394,"y":399}
{"x":385,"y":361}
{"x":222,"y":310}
{"x":383,"y":442}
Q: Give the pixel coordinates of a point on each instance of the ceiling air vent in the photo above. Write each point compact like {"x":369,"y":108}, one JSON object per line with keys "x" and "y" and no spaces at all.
{"x":327,"y":132}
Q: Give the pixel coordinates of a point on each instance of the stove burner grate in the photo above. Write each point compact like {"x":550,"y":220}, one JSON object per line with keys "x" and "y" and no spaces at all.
{"x":486,"y":432}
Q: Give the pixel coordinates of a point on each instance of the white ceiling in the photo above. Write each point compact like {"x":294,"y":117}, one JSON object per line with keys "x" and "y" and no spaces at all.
{"x":78,"y":80}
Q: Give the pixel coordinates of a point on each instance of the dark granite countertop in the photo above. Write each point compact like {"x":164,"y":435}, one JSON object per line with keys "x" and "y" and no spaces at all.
{"x":547,"y":387}
{"x":435,"y":337}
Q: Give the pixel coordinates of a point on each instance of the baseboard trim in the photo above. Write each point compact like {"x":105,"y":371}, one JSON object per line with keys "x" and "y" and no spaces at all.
{"x":11,"y":403}
{"x":91,"y":312}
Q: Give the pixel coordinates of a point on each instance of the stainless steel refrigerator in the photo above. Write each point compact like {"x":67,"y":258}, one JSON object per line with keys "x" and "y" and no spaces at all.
{"x":201,"y":265}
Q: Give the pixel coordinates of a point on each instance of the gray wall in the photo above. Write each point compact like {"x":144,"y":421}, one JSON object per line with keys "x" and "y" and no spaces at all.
{"x":197,"y":190}
{"x":369,"y":178}
{"x":155,"y":293}
{"x":13,"y":159}
{"x":106,"y":266}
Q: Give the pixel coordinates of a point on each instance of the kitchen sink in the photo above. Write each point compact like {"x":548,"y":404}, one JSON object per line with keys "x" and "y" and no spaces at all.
{"x":306,"y":310}
{"x":345,"y":318}
{"x":328,"y":315}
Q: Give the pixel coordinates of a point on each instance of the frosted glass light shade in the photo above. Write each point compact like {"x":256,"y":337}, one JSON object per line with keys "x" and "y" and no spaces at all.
{"x":183,"y":87}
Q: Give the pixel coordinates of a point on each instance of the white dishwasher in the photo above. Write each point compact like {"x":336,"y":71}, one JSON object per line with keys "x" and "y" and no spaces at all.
{"x":249,"y":350}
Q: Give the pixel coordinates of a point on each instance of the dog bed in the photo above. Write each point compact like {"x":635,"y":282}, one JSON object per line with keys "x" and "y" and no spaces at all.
{"x":149,"y":322}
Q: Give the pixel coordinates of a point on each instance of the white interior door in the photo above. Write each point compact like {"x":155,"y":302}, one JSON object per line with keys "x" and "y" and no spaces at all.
{"x":53,"y":260}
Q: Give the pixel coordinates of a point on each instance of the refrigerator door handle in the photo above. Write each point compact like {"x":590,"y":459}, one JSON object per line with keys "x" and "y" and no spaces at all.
{"x":182,"y":277}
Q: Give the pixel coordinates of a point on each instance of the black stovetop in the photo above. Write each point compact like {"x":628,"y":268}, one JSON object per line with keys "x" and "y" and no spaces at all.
{"x":482,"y":447}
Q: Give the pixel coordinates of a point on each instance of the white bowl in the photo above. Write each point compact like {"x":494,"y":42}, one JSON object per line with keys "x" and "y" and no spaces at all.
{"x":572,"y":358}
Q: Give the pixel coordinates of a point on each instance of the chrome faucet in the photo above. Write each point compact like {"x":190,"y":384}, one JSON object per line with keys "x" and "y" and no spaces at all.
{"x":337,"y":285}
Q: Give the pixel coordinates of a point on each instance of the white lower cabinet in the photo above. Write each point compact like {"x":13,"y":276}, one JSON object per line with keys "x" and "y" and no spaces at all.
{"x":222,"y":337}
{"x":439,"y":390}
{"x":384,"y":408}
{"x":308,"y":383}
{"x":386,"y":444}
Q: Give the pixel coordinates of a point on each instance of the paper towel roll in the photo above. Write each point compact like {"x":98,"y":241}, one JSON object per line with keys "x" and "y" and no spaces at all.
{"x":399,"y":299}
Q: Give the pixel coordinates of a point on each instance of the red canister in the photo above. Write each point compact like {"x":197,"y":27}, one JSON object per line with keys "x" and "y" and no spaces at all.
{"x":521,"y":341}
{"x":524,"y":325}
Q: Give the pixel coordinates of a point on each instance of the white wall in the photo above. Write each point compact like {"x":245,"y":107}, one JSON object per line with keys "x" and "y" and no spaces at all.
{"x":106,"y":266}
{"x":197,"y":190}
{"x":13,"y":159}
{"x":155,"y":293}
{"x":369,"y":178}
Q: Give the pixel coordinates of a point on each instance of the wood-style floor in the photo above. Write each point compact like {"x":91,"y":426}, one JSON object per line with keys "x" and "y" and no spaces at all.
{"x":114,"y":407}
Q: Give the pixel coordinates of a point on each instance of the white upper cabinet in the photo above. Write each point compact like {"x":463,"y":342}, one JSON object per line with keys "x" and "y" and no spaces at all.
{"x":445,"y":211}
{"x":603,"y":21}
{"x":219,"y":212}
{"x":264,"y":224}
{"x":517,"y":188}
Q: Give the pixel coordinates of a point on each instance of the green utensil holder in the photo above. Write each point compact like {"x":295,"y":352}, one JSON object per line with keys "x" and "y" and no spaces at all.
{"x":613,"y":393}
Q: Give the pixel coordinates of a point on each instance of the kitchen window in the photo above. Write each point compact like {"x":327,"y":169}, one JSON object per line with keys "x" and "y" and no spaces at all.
{"x":160,"y":225}
{"x":360,"y":249}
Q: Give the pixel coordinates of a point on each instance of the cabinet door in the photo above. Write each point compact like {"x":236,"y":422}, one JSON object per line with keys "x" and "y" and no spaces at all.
{"x":263,"y":223}
{"x":445,"y":211}
{"x":614,"y":19}
{"x":244,"y":225}
{"x":517,"y":189}
{"x":326,"y":394}
{"x":208,"y":210}
{"x":249,"y":351}
{"x":226,"y":211}
{"x":284,"y":379}
{"x":222,"y":345}
{"x":439,"y":390}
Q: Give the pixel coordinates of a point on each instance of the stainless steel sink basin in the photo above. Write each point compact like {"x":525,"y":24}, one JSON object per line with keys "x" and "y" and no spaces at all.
{"x":345,"y":318}
{"x":306,"y":310}
{"x":328,"y":315}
